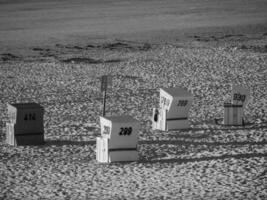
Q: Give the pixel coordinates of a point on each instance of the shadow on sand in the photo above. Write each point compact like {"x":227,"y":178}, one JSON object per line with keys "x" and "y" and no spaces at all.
{"x":68,"y":142}
{"x":207,"y":158}
{"x":226,"y":128}
{"x":179,"y":142}
{"x":155,"y":142}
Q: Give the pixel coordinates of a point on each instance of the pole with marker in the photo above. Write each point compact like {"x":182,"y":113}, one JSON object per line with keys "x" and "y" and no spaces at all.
{"x":105,"y":81}
{"x":104,"y":103}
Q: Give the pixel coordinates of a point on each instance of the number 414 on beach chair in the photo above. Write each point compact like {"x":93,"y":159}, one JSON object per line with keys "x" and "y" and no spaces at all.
{"x":25,"y":126}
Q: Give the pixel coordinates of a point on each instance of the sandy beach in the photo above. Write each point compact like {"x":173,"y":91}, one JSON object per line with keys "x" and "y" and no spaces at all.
{"x":55,"y":52}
